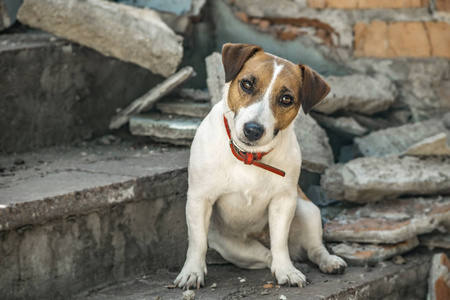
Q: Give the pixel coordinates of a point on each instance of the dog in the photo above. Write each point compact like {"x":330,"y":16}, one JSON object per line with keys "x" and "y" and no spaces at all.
{"x":243,"y":198}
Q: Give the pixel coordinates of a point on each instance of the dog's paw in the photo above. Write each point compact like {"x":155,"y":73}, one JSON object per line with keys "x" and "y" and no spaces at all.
{"x":333,"y":265}
{"x":289,"y":275}
{"x":191,"y":277}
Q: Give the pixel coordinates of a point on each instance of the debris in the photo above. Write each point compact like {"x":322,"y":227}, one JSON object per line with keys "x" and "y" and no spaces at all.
{"x":370,"y":179}
{"x":242,"y":280}
{"x":146,"y":40}
{"x":345,"y":126}
{"x":149,"y":99}
{"x":397,"y":140}
{"x":157,"y":298}
{"x":214,"y":285}
{"x":216,"y":76}
{"x":388,"y":222}
{"x":170,"y":286}
{"x":265,"y":292}
{"x":435,"y":145}
{"x":368,"y":254}
{"x":435,"y":239}
{"x":439,"y":279}
{"x":19,"y":161}
{"x":189,"y":295}
{"x":282,"y":297}
{"x":184,"y":108}
{"x":399,"y":260}
{"x":316,"y":151}
{"x":194,"y":94}
{"x":374,"y":94}
{"x":165,"y":128}
{"x":268,"y":286}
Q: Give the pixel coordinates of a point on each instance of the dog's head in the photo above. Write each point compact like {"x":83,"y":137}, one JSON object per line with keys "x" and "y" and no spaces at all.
{"x":265,"y":93}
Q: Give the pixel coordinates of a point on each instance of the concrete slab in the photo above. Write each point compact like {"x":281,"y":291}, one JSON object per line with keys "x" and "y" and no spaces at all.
{"x":369,"y":254}
{"x":183,"y":107}
{"x":388,"y":222}
{"x":230,"y":282}
{"x":371,"y":179}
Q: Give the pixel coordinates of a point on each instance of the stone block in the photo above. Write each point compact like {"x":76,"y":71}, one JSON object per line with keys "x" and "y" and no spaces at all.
{"x":397,"y":140}
{"x":184,"y":107}
{"x":149,"y":99}
{"x":8,"y":12}
{"x":56,"y":92}
{"x":435,"y":145}
{"x":439,"y":35}
{"x":145,"y":39}
{"x":165,"y":128}
{"x":316,"y":151}
{"x":368,"y":254}
{"x":345,"y":126}
{"x":215,"y":77}
{"x":370,"y":179}
{"x":374,"y":94}
{"x":439,"y":280}
{"x":435,"y":239}
{"x":388,"y":222}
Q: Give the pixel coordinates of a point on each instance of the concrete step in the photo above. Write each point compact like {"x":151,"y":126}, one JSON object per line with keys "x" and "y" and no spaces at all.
{"x":385,"y":281}
{"x":173,"y":129}
{"x":75,"y":218}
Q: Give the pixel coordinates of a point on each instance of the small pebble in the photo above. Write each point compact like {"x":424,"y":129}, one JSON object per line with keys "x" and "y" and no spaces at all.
{"x":282,"y":297}
{"x":214,"y":285}
{"x":398,"y":260}
{"x":242,"y":280}
{"x":266,"y":292}
{"x":268,"y":286}
{"x":189,"y":295}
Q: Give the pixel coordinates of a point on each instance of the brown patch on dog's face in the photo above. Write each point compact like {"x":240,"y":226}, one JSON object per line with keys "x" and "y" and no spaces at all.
{"x":258,"y":74}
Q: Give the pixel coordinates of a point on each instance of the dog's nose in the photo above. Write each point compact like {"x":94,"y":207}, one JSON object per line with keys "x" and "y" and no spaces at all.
{"x":253,"y":131}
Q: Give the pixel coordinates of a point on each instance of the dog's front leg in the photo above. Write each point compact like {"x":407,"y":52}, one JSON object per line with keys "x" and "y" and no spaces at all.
{"x":198,"y":214}
{"x":281,"y":213}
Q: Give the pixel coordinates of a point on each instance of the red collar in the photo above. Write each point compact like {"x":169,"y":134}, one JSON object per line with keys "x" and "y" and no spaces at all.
{"x":250,"y":158}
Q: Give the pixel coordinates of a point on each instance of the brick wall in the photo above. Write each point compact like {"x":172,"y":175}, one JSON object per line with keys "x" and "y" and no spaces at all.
{"x":385,"y":39}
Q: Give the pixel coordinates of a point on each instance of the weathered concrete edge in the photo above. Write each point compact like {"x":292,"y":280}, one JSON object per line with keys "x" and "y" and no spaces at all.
{"x":40,"y":211}
{"x":381,"y":287}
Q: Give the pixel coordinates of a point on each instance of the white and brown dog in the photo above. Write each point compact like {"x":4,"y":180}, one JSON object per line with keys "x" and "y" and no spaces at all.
{"x":244,"y":169}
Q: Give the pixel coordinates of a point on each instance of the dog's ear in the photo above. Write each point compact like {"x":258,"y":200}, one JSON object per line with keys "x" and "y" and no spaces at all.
{"x":234,"y":56}
{"x":314,"y":88}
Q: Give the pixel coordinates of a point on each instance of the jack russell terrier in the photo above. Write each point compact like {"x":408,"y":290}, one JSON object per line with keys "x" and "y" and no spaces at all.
{"x":243,"y":198}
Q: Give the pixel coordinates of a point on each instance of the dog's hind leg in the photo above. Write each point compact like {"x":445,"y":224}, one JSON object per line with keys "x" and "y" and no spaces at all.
{"x":305,"y":239}
{"x":244,"y":252}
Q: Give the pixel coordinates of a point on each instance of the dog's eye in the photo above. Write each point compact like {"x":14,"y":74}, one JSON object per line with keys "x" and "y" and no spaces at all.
{"x":287,"y":100}
{"x":246,"y":85}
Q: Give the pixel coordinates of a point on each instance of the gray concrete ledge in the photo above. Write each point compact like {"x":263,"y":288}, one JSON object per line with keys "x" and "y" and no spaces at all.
{"x":56,"y":182}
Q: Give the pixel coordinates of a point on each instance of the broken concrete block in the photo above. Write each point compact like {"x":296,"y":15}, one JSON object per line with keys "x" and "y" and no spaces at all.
{"x":216,"y":77}
{"x":388,"y":222}
{"x":435,"y":145}
{"x":435,"y":239}
{"x":370,"y":179}
{"x":439,"y":279}
{"x":149,"y":99}
{"x":125,"y":32}
{"x":165,"y":128}
{"x":316,"y":151}
{"x":183,"y":107}
{"x":372,"y":95}
{"x":8,"y":12}
{"x":345,"y":126}
{"x":194,"y":94}
{"x":367,"y":254}
{"x":397,"y":140}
